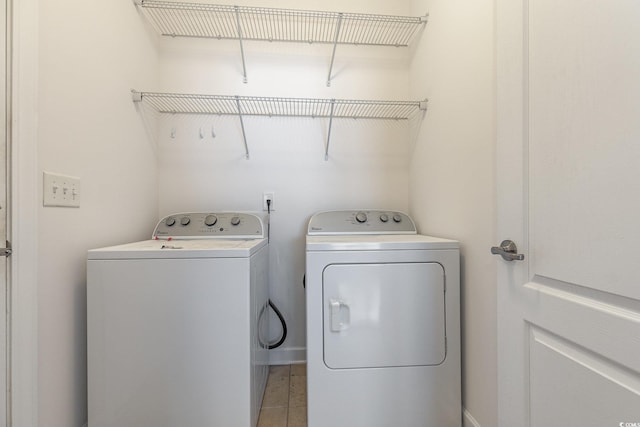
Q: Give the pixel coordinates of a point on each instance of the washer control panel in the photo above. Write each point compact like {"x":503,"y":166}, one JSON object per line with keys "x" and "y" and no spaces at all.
{"x":209,"y":225}
{"x":361,"y":222}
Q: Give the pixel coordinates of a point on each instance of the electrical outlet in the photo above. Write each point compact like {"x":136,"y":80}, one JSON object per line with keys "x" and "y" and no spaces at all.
{"x":267,"y":196}
{"x":61,"y":190}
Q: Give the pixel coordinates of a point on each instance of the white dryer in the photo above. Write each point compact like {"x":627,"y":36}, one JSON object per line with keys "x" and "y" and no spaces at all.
{"x":173,"y":325}
{"x":383,"y":323}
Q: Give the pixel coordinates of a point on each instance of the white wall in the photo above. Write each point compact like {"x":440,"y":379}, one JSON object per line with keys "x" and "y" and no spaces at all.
{"x":452,"y":183}
{"x":369,"y":160}
{"x":90,"y":55}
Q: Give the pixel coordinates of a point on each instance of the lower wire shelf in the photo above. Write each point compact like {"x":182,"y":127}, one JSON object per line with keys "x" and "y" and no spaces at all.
{"x":232,"y":105}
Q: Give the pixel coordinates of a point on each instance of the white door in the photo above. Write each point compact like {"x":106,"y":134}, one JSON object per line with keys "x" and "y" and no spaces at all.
{"x":569,"y":196}
{"x":384,"y":315}
{"x":4,"y":208}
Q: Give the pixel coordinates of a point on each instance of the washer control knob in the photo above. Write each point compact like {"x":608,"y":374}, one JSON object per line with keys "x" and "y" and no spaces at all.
{"x":210,"y":220}
{"x":185,"y":220}
{"x":170,"y":221}
{"x":384,"y":217}
{"x":397,"y":218}
{"x":235,"y":220}
{"x":361,"y":217}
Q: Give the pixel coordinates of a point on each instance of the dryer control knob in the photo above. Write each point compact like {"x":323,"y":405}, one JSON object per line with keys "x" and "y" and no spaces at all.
{"x":397,"y":218}
{"x":210,"y":220}
{"x":361,"y":217}
{"x":384,"y":217}
{"x":170,"y":221}
{"x":235,"y":220}
{"x":185,"y":220}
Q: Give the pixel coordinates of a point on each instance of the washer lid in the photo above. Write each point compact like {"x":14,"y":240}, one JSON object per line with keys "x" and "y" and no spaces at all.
{"x":378,"y":242}
{"x":175,"y":249}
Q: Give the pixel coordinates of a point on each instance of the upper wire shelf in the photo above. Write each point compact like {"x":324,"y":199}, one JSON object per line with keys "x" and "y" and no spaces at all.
{"x":279,"y":107}
{"x":271,"y":24}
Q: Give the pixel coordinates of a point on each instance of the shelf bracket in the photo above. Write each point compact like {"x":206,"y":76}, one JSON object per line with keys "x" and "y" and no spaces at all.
{"x":244,"y":135}
{"x":136,"y":96}
{"x":244,"y":65}
{"x":335,"y":45}
{"x":326,"y":147}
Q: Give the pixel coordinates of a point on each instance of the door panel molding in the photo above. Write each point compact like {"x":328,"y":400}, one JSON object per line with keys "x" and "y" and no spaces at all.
{"x":556,"y":363}
{"x":604,"y":329}
{"x":597,"y":297}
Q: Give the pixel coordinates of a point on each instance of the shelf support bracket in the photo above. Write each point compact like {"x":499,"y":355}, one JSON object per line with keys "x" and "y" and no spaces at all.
{"x":244,"y":65}
{"x":244,"y":135}
{"x":326,"y":147}
{"x":335,"y":45}
{"x":136,"y":96}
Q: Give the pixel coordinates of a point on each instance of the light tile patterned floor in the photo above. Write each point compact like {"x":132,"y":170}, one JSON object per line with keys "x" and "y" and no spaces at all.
{"x":285,"y":398}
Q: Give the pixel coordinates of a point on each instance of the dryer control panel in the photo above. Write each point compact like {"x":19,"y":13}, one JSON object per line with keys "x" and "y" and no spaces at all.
{"x":210,"y":225}
{"x":360,"y":222}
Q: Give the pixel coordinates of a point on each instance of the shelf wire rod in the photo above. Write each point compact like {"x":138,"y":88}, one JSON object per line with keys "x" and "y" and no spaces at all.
{"x":389,"y":31}
{"x":335,"y":45}
{"x":229,"y":23}
{"x":251,"y":24}
{"x":326,"y":149}
{"x":262,"y":26}
{"x":369,"y":30}
{"x":209,"y":25}
{"x":280,"y":27}
{"x":184,"y":25}
{"x":244,"y":66}
{"x":273,"y":29}
{"x":301,"y":27}
{"x":290,"y":27}
{"x":206,"y":24}
{"x":244,"y":135}
{"x":191,"y":19}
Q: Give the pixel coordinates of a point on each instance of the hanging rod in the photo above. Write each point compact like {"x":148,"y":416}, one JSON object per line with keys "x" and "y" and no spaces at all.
{"x":243,"y":23}
{"x":175,"y":103}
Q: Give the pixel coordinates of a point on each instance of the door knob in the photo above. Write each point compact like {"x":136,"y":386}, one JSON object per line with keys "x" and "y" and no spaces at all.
{"x":508,"y":250}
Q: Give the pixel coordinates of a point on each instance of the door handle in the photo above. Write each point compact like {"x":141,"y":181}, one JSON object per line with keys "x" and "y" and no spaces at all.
{"x":339,"y":315}
{"x":6,"y":251}
{"x":508,"y":250}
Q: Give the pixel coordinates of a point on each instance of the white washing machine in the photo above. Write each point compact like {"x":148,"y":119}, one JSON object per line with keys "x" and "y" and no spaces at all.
{"x":173,"y":325}
{"x":383,"y":323}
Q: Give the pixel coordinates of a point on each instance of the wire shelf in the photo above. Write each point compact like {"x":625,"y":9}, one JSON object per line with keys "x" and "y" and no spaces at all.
{"x":174,"y":103}
{"x":275,"y":106}
{"x":271,"y":24}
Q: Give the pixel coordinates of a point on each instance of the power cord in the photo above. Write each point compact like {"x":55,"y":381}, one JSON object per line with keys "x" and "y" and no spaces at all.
{"x":283,"y":337}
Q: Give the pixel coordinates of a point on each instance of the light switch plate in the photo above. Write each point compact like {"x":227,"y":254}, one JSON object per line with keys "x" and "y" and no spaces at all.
{"x":61,"y":190}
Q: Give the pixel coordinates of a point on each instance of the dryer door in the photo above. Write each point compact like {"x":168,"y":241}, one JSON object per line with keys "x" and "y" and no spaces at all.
{"x":383,"y":315}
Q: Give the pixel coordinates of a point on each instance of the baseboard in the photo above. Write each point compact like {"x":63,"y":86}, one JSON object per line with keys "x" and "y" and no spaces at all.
{"x":287,"y":356}
{"x":468,"y":420}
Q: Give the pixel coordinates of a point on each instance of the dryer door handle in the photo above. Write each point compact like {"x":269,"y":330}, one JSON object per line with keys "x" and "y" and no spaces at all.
{"x":340,"y":315}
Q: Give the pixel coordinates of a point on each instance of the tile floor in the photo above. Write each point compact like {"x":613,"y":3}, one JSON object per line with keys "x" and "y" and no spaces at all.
{"x":285,"y":398}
